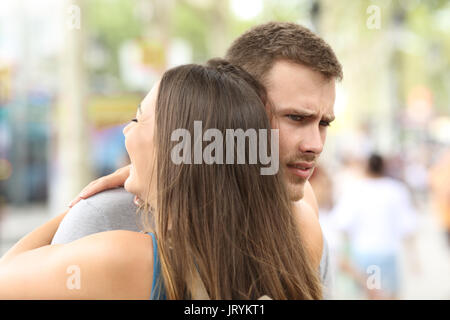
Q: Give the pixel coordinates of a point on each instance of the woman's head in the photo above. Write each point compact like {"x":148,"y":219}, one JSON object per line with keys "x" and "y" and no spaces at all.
{"x":213,"y":98}
{"x":227,"y":221}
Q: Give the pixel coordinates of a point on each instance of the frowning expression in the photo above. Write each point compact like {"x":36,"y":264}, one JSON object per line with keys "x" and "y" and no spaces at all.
{"x":303,"y":101}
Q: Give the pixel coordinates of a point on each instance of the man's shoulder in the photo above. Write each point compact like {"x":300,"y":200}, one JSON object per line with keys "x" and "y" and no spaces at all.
{"x":312,"y":232}
{"x":117,"y":197}
{"x":309,"y":198}
{"x":108,"y":210}
{"x":309,"y":212}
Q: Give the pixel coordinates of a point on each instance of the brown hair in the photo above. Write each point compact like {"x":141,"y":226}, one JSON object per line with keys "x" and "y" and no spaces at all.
{"x":257,"y":50}
{"x":227,"y":221}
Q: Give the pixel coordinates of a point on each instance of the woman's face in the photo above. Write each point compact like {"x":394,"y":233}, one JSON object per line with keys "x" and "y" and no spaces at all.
{"x":141,"y":150}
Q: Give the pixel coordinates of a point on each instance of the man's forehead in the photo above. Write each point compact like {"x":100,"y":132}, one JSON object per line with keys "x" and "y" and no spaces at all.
{"x":309,"y":97}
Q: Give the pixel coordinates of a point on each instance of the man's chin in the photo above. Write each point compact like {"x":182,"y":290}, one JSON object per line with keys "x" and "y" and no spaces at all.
{"x":296,"y":191}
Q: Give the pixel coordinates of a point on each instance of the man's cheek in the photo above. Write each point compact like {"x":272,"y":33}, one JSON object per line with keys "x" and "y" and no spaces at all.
{"x":324,"y":137}
{"x":284,"y":145}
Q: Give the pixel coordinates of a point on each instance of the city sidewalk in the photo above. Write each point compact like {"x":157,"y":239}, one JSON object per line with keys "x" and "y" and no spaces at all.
{"x":433,"y":280}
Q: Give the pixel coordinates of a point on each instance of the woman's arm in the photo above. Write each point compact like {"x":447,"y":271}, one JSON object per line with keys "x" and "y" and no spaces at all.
{"x":108,"y":265}
{"x":40,"y":237}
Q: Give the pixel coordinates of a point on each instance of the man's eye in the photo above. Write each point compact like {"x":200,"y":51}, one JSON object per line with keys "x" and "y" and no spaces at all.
{"x":135,"y":120}
{"x":295,"y":117}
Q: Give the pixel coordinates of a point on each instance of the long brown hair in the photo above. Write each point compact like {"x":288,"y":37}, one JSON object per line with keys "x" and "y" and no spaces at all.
{"x":227,"y":221}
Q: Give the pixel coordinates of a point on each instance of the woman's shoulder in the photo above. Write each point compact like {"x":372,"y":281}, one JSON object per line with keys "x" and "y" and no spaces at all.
{"x":126,"y":248}
{"x":125,"y":259}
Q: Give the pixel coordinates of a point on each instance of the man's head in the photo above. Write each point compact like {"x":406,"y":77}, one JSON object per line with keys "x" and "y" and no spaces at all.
{"x":299,"y":71}
{"x":375,"y":165}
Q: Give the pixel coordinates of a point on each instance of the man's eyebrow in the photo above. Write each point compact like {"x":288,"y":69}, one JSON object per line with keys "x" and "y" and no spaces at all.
{"x":307,"y":113}
{"x":301,"y":112}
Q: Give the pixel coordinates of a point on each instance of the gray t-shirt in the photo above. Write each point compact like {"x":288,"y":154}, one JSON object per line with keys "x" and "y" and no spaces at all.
{"x":115,"y":209}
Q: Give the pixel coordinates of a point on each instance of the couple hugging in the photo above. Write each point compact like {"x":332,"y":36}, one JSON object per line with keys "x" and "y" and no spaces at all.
{"x":165,"y":229}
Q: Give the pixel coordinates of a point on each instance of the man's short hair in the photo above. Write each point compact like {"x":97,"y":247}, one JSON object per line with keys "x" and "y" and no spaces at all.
{"x":375,"y":164}
{"x":257,"y":50}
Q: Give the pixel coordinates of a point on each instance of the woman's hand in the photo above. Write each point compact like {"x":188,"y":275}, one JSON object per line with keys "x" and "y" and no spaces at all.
{"x":113,"y":180}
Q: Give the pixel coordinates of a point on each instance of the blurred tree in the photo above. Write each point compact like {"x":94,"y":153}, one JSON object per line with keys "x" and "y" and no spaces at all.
{"x":109,"y":24}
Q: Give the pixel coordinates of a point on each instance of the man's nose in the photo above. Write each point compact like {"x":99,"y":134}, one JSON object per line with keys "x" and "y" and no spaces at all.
{"x":311,"y":141}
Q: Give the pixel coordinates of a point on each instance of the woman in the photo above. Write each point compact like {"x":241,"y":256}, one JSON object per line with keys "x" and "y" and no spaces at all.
{"x":223,"y":228}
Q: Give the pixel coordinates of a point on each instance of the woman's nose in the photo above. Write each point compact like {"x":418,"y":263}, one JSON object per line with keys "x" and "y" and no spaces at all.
{"x":127,"y":127}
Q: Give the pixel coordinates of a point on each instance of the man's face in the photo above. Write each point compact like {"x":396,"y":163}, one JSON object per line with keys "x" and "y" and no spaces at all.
{"x":303,"y":102}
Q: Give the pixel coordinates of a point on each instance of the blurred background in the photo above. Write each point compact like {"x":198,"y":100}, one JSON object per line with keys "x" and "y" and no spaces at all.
{"x":73,"y":72}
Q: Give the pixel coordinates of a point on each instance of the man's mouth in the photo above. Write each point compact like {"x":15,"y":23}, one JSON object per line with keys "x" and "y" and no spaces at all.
{"x":301,"y":169}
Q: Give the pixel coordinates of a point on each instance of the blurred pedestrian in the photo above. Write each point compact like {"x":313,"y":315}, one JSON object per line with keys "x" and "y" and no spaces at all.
{"x":377,"y":215}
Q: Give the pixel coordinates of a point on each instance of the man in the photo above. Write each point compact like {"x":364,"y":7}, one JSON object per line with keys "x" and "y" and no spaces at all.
{"x":376,"y":228}
{"x":299,"y":71}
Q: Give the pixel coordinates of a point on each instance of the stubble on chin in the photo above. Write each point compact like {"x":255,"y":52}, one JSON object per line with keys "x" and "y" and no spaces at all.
{"x":296,"y":190}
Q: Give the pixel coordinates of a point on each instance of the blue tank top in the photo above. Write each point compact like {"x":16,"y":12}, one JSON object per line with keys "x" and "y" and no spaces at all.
{"x":158,"y":291}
